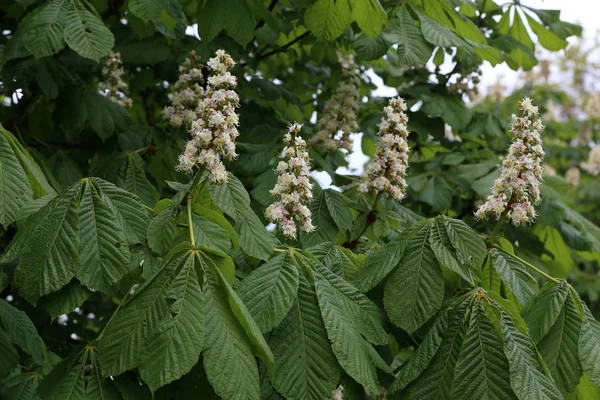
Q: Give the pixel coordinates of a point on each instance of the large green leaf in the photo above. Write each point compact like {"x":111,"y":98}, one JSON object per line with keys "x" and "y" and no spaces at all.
{"x":306,"y":365}
{"x":19,"y":328}
{"x":369,"y":15}
{"x":66,"y":380}
{"x":546,"y":37}
{"x":412,"y":47}
{"x":175,"y":343}
{"x":340,"y":260}
{"x":415,"y":290}
{"x":589,"y":346}
{"x":482,"y":368}
{"x":270,"y":290}
{"x":527,"y":374}
{"x":338,"y":209}
{"x":66,"y":300}
{"x":352,"y":321}
{"x":541,"y":313}
{"x":161,"y":230}
{"x":146,"y":10}
{"x":423,"y":355}
{"x":44,"y":35}
{"x":15,"y":190}
{"x":559,"y":348}
{"x":327,"y":19}
{"x":228,"y":354}
{"x":255,"y":240}
{"x":87,"y":35}
{"x":231,"y":197}
{"x":209,"y":234}
{"x":326,"y":228}
{"x":514,"y":274}
{"x":10,"y":358}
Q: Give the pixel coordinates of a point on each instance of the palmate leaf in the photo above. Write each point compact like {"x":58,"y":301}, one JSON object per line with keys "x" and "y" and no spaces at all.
{"x":306,"y":365}
{"x":527,"y":374}
{"x":327,"y":19}
{"x":231,"y":197}
{"x":338,"y":209}
{"x":521,"y":283}
{"x":176,"y":342}
{"x":412,"y":47}
{"x":415,"y":289}
{"x":161,"y":230}
{"x":352,"y":321}
{"x":270,"y":290}
{"x":228,"y":354}
{"x":423,"y":354}
{"x":369,"y":15}
{"x":209,"y":234}
{"x":589,"y":346}
{"x":86,"y":34}
{"x":435,"y":382}
{"x":66,"y":300}
{"x":559,"y":348}
{"x":22,"y":386}
{"x":19,"y":328}
{"x":482,"y":368}
{"x":44,"y":34}
{"x":255,"y":240}
{"x":339,"y":260}
{"x":541,"y":313}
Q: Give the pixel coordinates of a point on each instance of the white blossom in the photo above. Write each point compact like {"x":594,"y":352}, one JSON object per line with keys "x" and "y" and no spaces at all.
{"x":293,"y":190}
{"x":592,"y":166}
{"x":387,"y":171}
{"x":573,"y":176}
{"x":339,"y":118}
{"x":592,"y":106}
{"x":214,"y":128}
{"x":517,"y":189}
{"x":112,"y":85}
{"x":187,"y":93}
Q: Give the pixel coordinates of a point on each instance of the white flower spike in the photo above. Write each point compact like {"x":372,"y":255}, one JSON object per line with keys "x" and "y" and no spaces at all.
{"x":339,"y":118}
{"x":517,"y":189}
{"x":215,"y":129}
{"x":387,"y":171}
{"x":293,"y":190}
{"x":113,"y":86}
{"x":187,"y":93}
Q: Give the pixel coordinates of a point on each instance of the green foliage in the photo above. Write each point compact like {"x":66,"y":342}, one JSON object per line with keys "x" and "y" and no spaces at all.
{"x":123,"y":278}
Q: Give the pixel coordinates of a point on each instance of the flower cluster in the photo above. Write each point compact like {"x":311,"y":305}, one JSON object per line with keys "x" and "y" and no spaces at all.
{"x":386,"y":173}
{"x":573,"y":176}
{"x":592,"y":106}
{"x":215,"y":130}
{"x":187,"y":93}
{"x":339,"y":118}
{"x":112,"y":85}
{"x":592,"y":165}
{"x":293,"y":189}
{"x":517,"y":189}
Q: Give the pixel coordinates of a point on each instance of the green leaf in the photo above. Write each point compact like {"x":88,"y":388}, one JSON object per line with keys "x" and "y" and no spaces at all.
{"x":338,"y":209}
{"x":415,"y":290}
{"x":412,"y":47}
{"x":103,"y":254}
{"x":87,"y":35}
{"x":121,"y":342}
{"x":255,"y":240}
{"x":423,"y":354}
{"x":176,"y":342}
{"x":66,"y":380}
{"x":104,"y":116}
{"x":559,"y":348}
{"x":247,"y":322}
{"x":15,"y":190}
{"x":456,"y":114}
{"x":44,"y":34}
{"x":306,"y":365}
{"x":527,"y":374}
{"x":270,"y":290}
{"x":219,"y":219}
{"x":541,"y":313}
{"x":161,"y":230}
{"x":437,"y":193}
{"x":482,"y":367}
{"x":351,"y":321}
{"x":368,"y":49}
{"x":546,"y":37}
{"x":369,"y":15}
{"x":231,"y":197}
{"x":209,"y":234}
{"x":340,"y":260}
{"x":445,"y":14}
{"x":589,"y":346}
{"x":66,"y":300}
{"x":515,"y":275}
{"x":211,"y":18}
{"x":98,"y":388}
{"x":447,"y":254}
{"x":377,"y":265}
{"x":134,"y":179}
{"x":146,"y":10}
{"x":327,"y":19}
{"x":228,"y":354}
{"x":327,"y":230}
{"x":438,"y":34}
{"x":10,"y":358}
{"x":239,"y":23}
{"x":585,"y":390}
{"x":19,"y":328}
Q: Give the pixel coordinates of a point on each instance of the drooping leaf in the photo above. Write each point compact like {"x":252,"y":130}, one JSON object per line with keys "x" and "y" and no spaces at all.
{"x":306,"y":365}
{"x":255,"y":240}
{"x":66,"y":300}
{"x":369,"y":15}
{"x":44,"y":35}
{"x":87,"y":35}
{"x":521,"y":283}
{"x":210,"y":235}
{"x":412,"y":47}
{"x":10,"y":358}
{"x":161,"y":230}
{"x":19,"y":328}
{"x":541,"y":313}
{"x":270,"y":290}
{"x":327,"y":19}
{"x":338,"y":259}
{"x":231,"y":197}
{"x":589,"y":346}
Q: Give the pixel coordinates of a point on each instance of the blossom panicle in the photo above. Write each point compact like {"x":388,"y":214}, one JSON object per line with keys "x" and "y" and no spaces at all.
{"x":517,"y":190}
{"x":387,"y":171}
{"x":339,"y":119}
{"x":293,"y":190}
{"x":215,"y":130}
{"x":113,"y":86}
{"x":592,"y":166}
{"x":187,"y":93}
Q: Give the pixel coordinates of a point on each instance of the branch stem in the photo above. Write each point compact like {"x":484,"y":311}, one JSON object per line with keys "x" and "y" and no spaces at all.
{"x":189,"y":215}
